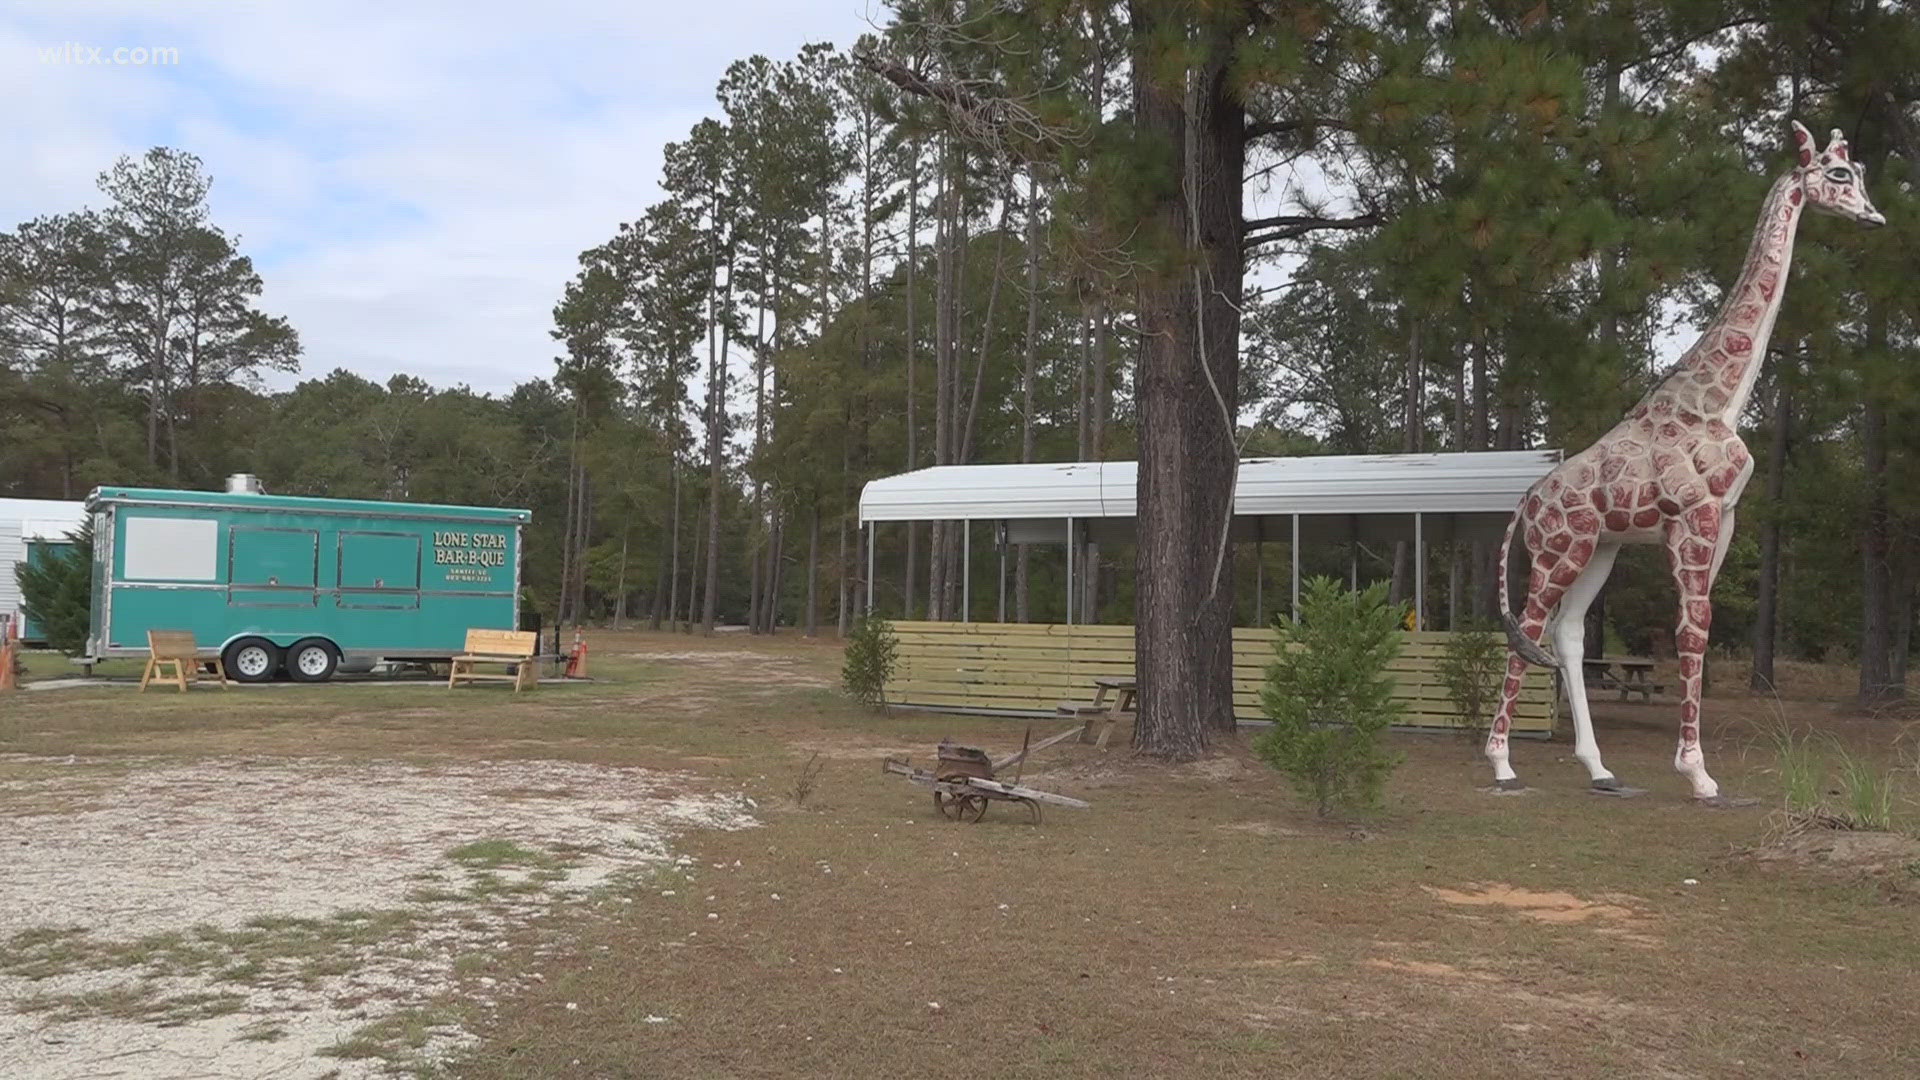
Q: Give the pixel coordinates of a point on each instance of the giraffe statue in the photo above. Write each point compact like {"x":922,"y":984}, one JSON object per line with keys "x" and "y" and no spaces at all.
{"x":1670,"y":473}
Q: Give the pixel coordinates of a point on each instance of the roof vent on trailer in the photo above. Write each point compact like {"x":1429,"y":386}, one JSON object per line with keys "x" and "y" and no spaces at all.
{"x":241,"y":483}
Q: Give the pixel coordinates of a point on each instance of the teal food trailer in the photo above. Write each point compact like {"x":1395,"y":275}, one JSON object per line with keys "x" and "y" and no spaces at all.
{"x":273,"y":582}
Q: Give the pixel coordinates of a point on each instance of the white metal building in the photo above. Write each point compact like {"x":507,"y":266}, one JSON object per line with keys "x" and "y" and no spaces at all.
{"x":1372,"y":498}
{"x":24,"y":520}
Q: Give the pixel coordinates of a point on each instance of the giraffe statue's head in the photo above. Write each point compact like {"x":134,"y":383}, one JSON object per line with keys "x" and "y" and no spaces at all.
{"x":1833,"y":183}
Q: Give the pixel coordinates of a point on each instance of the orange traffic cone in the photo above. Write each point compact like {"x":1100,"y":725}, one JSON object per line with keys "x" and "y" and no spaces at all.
{"x":577,"y":659}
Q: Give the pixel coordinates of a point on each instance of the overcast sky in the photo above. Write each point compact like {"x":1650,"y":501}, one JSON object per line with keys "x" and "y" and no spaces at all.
{"x":412,"y":179}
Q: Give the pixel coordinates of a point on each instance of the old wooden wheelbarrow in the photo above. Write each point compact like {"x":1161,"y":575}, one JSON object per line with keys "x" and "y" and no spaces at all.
{"x":963,"y":782}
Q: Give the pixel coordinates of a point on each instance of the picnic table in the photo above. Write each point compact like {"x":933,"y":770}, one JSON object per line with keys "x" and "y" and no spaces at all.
{"x":1627,"y":674}
{"x":1124,"y":690}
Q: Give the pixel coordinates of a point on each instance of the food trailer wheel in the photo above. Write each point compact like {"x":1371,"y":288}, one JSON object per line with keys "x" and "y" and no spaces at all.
{"x":252,"y":660}
{"x":312,"y":660}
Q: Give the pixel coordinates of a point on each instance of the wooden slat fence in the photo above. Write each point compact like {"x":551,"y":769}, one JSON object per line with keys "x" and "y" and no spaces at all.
{"x":1026,"y":669}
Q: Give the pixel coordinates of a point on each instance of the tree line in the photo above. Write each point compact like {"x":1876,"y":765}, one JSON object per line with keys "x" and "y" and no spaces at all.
{"x":1042,"y":231}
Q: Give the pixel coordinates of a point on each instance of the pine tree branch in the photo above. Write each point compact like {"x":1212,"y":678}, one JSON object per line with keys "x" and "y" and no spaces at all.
{"x":1260,"y":129}
{"x":1257,"y":231}
{"x":913,"y":82}
{"x":1007,"y":127}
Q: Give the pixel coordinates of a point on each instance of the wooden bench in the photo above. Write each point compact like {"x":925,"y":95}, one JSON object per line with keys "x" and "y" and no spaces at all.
{"x":513,"y":648}
{"x":1099,"y":711}
{"x":177,"y":649}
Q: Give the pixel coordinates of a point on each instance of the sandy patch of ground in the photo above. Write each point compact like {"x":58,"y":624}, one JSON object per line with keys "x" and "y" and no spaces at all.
{"x":1482,"y":984}
{"x":1612,"y":915}
{"x":234,"y":917}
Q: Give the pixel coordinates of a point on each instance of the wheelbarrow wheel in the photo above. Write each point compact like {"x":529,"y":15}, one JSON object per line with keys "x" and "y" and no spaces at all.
{"x":966,"y":807}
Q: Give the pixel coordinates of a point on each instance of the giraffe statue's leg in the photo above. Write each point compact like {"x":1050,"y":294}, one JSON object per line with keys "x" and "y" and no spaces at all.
{"x":1569,"y":642}
{"x":1694,"y":548}
{"x":1503,"y":775}
{"x":1551,"y":575}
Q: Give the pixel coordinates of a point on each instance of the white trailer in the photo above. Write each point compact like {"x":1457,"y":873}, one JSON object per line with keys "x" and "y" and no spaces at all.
{"x":22,"y":522}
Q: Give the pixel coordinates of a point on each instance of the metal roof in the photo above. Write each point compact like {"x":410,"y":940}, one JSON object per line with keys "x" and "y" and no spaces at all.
{"x":1480,"y":482}
{"x":42,"y":519}
{"x":215,"y":500}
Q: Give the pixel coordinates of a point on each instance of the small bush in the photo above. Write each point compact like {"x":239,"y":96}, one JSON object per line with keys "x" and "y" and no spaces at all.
{"x":1329,"y":696}
{"x":1472,"y":669}
{"x":872,"y":656}
{"x":806,"y":780}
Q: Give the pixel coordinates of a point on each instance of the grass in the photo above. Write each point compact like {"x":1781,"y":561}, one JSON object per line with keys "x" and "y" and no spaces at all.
{"x":395,"y":1038}
{"x":491,"y":854}
{"x":140,"y":1002}
{"x":1866,"y":791}
{"x":1825,"y":784}
{"x":264,"y":952}
{"x":1801,"y":764}
{"x":1197,"y":921}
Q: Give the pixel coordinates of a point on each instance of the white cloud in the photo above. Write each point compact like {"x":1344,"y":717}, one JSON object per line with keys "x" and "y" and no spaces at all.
{"x":413,"y":180}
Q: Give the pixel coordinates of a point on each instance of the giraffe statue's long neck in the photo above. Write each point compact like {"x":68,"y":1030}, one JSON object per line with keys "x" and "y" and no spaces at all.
{"x":1724,"y":363}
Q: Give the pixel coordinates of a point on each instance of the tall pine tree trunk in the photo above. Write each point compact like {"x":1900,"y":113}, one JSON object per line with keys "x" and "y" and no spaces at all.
{"x":942,"y":363}
{"x":1903,"y":602}
{"x":910,"y":593}
{"x":673,"y":574}
{"x":845,"y":613}
{"x":620,"y":589}
{"x":813,"y":571}
{"x":582,"y":539}
{"x":662,"y":586}
{"x":774,"y":564}
{"x":1877,"y":688}
{"x":1484,"y":553}
{"x":572,"y":522}
{"x":1189,"y":328}
{"x":1029,"y":359}
{"x":1411,"y":439}
{"x":694,"y":575}
{"x":1766,"y":597}
{"x":717,"y":398}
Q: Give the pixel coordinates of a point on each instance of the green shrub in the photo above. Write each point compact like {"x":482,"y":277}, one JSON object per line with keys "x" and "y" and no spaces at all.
{"x":1329,"y":696}
{"x":1472,"y":669}
{"x":57,"y":592}
{"x":872,"y":655}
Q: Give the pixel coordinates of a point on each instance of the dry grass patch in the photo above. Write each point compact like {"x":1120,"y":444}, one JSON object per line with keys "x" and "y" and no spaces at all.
{"x":1195,"y":922}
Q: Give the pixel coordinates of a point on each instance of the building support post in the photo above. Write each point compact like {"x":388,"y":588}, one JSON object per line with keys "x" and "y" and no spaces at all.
{"x":1353,"y":552}
{"x":1070,"y":539}
{"x":1296,"y":568}
{"x":1000,"y":541}
{"x":1259,"y":572}
{"x":966,"y":571}
{"x":1419,"y":571}
{"x":870,"y":528}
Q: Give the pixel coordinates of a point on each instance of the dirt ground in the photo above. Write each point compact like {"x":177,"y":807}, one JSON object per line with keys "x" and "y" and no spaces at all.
{"x":617,"y":880}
